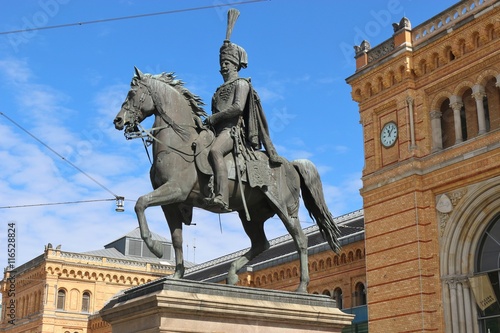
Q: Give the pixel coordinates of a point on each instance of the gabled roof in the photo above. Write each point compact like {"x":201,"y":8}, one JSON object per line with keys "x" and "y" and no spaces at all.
{"x":282,"y":249}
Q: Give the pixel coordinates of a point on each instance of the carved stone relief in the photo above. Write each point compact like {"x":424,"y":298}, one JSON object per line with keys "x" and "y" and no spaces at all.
{"x":445,"y":203}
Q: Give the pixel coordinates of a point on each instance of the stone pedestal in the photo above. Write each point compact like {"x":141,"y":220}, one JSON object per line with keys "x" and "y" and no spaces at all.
{"x":167,"y":305}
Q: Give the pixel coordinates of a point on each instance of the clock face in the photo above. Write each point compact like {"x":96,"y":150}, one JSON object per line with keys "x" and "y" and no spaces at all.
{"x":389,"y":134}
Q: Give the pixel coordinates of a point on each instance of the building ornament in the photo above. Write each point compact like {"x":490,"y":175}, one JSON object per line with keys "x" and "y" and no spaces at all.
{"x":454,"y":280}
{"x":445,"y":204}
{"x":436,"y":114}
{"x":381,"y":50}
{"x":403,"y":24}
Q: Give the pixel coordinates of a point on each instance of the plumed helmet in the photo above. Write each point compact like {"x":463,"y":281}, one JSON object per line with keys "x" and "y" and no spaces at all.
{"x":230,"y":51}
{"x":234,"y":53}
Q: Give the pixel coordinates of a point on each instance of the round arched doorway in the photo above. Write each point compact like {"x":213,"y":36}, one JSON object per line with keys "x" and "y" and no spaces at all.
{"x":465,"y":251}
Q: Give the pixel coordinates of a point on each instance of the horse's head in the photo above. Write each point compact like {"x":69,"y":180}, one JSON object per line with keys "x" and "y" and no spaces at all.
{"x":137,"y":106}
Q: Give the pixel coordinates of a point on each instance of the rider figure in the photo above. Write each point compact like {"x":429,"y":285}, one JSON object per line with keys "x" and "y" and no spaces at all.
{"x":233,"y":103}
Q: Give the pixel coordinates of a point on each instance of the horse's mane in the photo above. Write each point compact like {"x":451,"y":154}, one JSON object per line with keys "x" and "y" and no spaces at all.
{"x":194,"y":100}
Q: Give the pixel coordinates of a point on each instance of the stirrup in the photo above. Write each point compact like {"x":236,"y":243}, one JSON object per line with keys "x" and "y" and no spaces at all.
{"x":218,"y":203}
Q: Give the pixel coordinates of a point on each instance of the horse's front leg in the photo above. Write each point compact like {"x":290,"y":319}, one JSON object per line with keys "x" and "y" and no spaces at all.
{"x":167,"y":194}
{"x":174,"y":218}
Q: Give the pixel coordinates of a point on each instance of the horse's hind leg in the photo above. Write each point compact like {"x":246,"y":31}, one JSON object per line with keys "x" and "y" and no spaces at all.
{"x":259,"y":243}
{"x":293,"y":226}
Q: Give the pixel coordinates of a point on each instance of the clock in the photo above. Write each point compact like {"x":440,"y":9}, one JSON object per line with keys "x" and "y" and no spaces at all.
{"x":389,"y":134}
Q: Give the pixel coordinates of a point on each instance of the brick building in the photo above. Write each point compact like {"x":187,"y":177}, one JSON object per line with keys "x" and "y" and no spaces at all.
{"x":427,"y":239}
{"x":58,"y":290}
{"x":429,"y":104}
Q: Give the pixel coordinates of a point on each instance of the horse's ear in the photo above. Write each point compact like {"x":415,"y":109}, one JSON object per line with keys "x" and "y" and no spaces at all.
{"x":138,"y":73}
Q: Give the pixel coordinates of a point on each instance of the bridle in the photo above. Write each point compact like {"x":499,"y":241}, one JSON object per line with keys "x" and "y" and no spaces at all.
{"x":138,"y":131}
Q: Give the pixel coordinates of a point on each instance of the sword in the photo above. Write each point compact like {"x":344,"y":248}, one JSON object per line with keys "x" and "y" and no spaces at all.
{"x":234,"y":134}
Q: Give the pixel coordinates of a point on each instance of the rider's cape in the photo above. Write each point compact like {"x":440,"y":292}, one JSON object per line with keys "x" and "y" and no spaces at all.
{"x":256,"y":127}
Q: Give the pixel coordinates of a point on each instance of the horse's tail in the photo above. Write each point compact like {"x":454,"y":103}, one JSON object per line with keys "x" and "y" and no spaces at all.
{"x":314,"y":200}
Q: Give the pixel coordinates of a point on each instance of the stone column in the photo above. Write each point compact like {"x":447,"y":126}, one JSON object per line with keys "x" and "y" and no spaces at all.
{"x":461,"y":306}
{"x":498,"y":81}
{"x":479,"y":94}
{"x":409,"y":102}
{"x":437,"y":134}
{"x":456,"y":104}
{"x":469,"y":327}
{"x":452,"y":285}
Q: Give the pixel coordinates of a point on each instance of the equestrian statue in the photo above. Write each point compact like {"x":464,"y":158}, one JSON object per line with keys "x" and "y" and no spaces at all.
{"x":224,"y":162}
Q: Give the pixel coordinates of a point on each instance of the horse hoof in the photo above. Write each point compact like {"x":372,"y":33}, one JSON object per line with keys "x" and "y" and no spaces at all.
{"x":302,"y":289}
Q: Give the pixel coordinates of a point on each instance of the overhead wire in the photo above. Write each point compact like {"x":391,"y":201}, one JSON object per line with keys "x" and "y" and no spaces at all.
{"x":55,"y":203}
{"x":129,"y":17}
{"x":62,"y":157}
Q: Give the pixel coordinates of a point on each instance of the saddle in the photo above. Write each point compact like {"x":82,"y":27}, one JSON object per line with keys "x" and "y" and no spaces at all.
{"x":253,"y":165}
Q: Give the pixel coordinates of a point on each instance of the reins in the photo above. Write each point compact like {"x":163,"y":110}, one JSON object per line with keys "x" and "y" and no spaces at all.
{"x":144,"y":133}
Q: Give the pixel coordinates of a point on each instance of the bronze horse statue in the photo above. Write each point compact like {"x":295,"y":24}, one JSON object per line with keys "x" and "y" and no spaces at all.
{"x":181,"y":175}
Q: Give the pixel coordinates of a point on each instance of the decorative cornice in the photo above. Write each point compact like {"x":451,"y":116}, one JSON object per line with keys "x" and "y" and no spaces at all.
{"x":446,"y":19}
{"x":381,"y":50}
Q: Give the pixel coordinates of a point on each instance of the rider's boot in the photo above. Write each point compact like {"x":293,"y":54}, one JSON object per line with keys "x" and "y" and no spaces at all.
{"x":221,"y":197}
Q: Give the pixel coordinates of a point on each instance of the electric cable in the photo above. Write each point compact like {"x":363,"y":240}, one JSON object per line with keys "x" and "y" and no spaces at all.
{"x":129,"y":17}
{"x":62,"y":157}
{"x":55,"y":203}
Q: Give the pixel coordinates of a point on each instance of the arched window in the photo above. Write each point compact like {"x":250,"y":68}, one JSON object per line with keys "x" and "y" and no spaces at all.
{"x":450,"y":54}
{"x":468,"y":115}
{"x":435,"y":60}
{"x":380,"y":83}
{"x":359,"y":294}
{"x":447,"y":124}
{"x":61,"y":299}
{"x":315,"y":266}
{"x":488,"y":260}
{"x":462,"y":47}
{"x":343,"y":258}
{"x":86,"y":302}
{"x":423,"y":66}
{"x":337,"y":296}
{"x":492,"y":104}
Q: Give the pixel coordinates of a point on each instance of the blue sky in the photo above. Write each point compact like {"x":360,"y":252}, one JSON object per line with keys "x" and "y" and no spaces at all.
{"x":65,"y":86}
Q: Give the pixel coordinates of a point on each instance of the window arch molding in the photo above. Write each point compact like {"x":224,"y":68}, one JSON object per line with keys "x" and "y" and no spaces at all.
{"x":86,"y":297}
{"x":61,"y":299}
